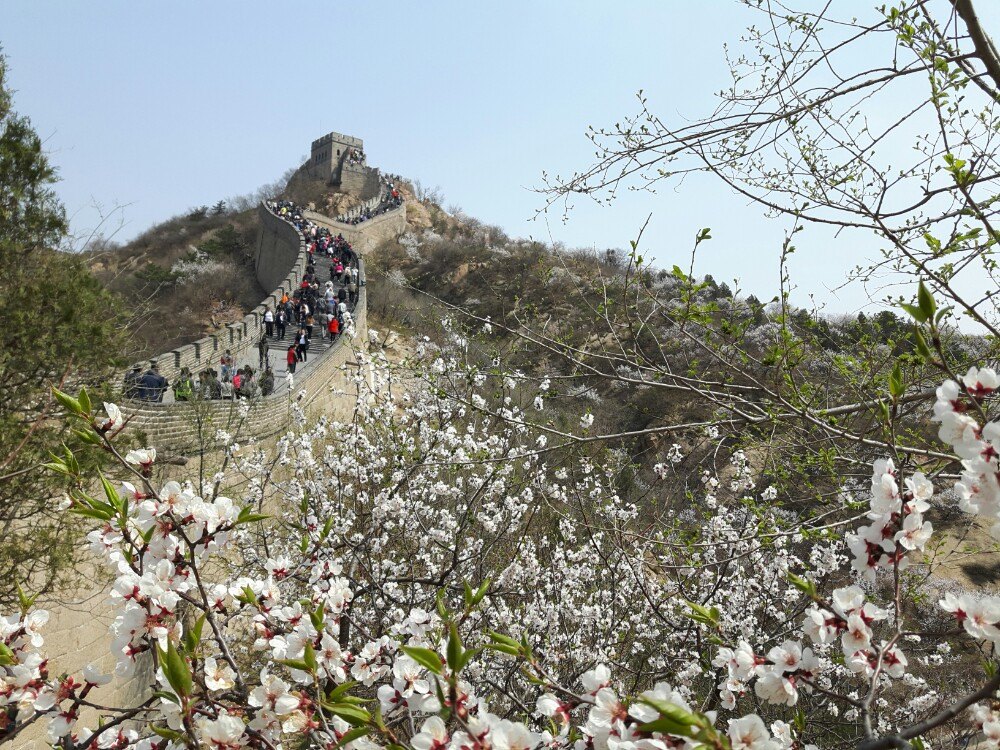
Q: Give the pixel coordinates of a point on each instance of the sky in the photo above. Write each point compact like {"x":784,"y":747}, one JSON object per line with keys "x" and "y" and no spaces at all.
{"x":156,"y":108}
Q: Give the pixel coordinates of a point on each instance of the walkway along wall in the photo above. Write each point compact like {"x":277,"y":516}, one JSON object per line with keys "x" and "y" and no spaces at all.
{"x":281,"y":249}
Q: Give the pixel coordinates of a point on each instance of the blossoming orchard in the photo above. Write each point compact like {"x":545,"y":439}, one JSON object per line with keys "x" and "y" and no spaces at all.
{"x":421,"y":578}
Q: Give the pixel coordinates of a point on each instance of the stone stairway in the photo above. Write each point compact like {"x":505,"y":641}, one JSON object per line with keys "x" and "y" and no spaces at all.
{"x":318,"y":344}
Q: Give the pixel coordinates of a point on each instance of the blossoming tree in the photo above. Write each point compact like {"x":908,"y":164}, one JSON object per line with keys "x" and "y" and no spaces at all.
{"x":421,"y":578}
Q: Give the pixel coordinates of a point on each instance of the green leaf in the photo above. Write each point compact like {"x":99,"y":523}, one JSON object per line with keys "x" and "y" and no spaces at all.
{"x":167,"y":696}
{"x":925,"y":301}
{"x":802,"y":584}
{"x":425,"y":657}
{"x":335,"y":695}
{"x":84,"y":399}
{"x":167,"y":733}
{"x":58,"y":466}
{"x":454,"y":648}
{"x":87,"y":436}
{"x":671,"y":711}
{"x":6,"y":656}
{"x":175,"y":669}
{"x":352,"y":734}
{"x":468,"y":656}
{"x":896,"y":386}
{"x":310,"y":657}
{"x":481,"y":592}
{"x":82,"y":510}
{"x":467,"y":593}
{"x":666,"y":726}
{"x":316,"y":616}
{"x":110,"y":492}
{"x":499,"y":638}
{"x":68,"y":402}
{"x":354,"y":715}
{"x":884,"y":408}
{"x":298,"y":664}
{"x":25,"y":601}
{"x":914,"y":312}
{"x":192,"y":637}
{"x":703,"y":614}
{"x":921,"y":344}
{"x":505,"y":649}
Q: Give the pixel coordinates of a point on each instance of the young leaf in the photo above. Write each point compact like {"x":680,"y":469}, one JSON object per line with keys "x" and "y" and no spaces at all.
{"x":350,"y":735}
{"x":84,"y":399}
{"x":925,"y":301}
{"x":896,"y":386}
{"x":68,"y":402}
{"x":481,"y":592}
{"x":175,"y":669}
{"x":354,"y":715}
{"x":310,"y":657}
{"x":915,"y":312}
{"x":454,"y":648}
{"x":424,"y":657}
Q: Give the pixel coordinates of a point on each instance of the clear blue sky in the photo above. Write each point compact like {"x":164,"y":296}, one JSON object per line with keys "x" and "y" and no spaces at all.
{"x":170,"y":105}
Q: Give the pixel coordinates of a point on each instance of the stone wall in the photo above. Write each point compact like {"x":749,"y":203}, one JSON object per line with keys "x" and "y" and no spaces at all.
{"x":182,"y":427}
{"x":279,"y":246}
{"x":368,"y":235}
{"x":360,"y":180}
{"x":326,"y":388}
{"x":280,"y":263}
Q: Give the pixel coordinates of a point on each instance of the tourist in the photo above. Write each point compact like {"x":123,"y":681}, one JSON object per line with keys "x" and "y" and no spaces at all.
{"x":247,"y":387}
{"x":282,"y":321}
{"x":152,"y":384}
{"x":215,"y":385}
{"x":333,"y":327}
{"x":228,"y":363}
{"x":291,"y":358}
{"x":184,"y":386}
{"x":268,"y":322}
{"x":302,"y":345}
{"x":131,"y":386}
{"x":267,"y":382}
{"x":262,"y":347}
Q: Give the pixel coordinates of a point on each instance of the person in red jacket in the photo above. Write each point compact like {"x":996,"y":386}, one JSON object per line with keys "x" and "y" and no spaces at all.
{"x":290,"y":358}
{"x":333,"y":327}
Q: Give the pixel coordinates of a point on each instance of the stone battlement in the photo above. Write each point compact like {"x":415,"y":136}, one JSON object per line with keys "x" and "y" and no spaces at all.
{"x":333,"y":137}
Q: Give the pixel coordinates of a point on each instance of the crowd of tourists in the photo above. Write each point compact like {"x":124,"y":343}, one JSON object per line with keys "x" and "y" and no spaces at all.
{"x":319,"y":306}
{"x":387,"y":201}
{"x":355,"y":156}
{"x":231,"y":383}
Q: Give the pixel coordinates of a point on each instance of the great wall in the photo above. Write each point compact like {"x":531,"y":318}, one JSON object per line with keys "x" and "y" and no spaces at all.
{"x":280,"y":261}
{"x":78,"y":630}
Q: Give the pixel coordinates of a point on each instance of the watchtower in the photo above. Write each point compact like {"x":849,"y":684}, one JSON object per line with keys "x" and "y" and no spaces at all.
{"x":331,"y":152}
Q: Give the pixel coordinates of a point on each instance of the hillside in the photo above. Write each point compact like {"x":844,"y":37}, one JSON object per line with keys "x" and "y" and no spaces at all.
{"x":192,"y":274}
